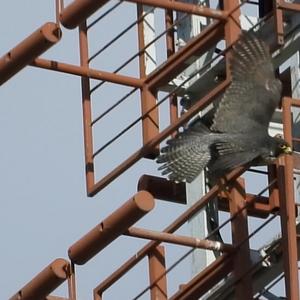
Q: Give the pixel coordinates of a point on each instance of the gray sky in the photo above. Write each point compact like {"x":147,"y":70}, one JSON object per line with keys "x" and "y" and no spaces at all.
{"x":44,"y":208}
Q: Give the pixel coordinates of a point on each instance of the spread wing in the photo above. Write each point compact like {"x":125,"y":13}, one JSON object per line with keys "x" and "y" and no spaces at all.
{"x":231,"y":155}
{"x":254,"y":94}
{"x":186,"y":155}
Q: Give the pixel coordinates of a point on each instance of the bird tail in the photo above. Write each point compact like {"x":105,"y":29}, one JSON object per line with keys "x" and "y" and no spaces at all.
{"x":186,"y":155}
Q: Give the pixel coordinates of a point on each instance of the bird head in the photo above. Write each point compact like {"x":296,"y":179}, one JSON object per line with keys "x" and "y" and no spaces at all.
{"x":281,"y":146}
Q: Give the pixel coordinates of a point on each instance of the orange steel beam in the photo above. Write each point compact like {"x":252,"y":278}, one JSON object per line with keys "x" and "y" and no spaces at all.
{"x":157,"y":139}
{"x":87,"y":72}
{"x":170,"y":47}
{"x":86,"y":109}
{"x":239,"y":225}
{"x":72,"y":282}
{"x":157,"y":274}
{"x":209,"y":37}
{"x":26,"y":51}
{"x":273,"y":190}
{"x":78,"y":11}
{"x":163,"y":189}
{"x":278,"y":15}
{"x":45,"y":282}
{"x":178,"y":239}
{"x":111,"y":228}
{"x":232,"y":26}
{"x":185,"y":7}
{"x":287,"y":210}
{"x":183,"y":218}
{"x":167,"y":190}
{"x":206,"y":279}
{"x":150,"y":124}
{"x":288,"y":5}
{"x":257,"y":206}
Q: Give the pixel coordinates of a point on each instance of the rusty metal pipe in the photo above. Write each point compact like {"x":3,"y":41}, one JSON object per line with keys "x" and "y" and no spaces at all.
{"x":78,"y":11}
{"x":45,"y":282}
{"x":287,"y":209}
{"x":157,"y":274}
{"x":185,"y":7}
{"x":163,"y":189}
{"x":26,"y":51}
{"x":206,"y":279}
{"x":178,"y":239}
{"x":87,"y":72}
{"x":112,"y":227}
{"x":288,"y":5}
{"x":86,"y":108}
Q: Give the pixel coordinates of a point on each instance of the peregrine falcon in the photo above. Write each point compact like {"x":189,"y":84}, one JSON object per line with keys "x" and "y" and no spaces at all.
{"x":239,"y":131}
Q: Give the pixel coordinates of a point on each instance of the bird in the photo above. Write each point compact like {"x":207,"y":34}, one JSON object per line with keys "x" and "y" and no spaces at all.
{"x":238,"y":134}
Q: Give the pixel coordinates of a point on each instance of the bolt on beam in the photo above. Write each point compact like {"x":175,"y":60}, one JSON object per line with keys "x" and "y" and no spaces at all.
{"x":45,"y":282}
{"x":29,"y":49}
{"x":111,"y":228}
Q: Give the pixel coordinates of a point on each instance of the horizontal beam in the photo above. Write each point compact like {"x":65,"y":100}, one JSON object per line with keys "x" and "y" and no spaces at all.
{"x":178,"y":239}
{"x":194,"y":9}
{"x":87,"y":72}
{"x":288,"y":5}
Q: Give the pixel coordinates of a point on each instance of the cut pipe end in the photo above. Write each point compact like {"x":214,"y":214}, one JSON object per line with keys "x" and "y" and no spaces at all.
{"x":111,"y":228}
{"x":144,"y":201}
{"x":29,"y":49}
{"x":60,"y":267}
{"x":52,"y":32}
{"x":45,"y":282}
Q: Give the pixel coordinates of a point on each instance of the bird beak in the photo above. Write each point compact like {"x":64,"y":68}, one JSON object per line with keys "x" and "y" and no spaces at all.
{"x":287,"y":150}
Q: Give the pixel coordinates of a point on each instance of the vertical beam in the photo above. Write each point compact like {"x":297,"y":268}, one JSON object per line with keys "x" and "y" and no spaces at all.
{"x":295,"y":88}
{"x":146,"y":65}
{"x":237,"y":194}
{"x":287,"y":211}
{"x":157,"y":271}
{"x":170,"y":45}
{"x":232,"y":27}
{"x":72,"y":282}
{"x":279,"y":22}
{"x":273,"y":190}
{"x":86,"y":109}
{"x":242,"y":260}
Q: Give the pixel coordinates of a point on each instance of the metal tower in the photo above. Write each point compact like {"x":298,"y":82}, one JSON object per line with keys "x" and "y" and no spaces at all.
{"x":165,"y":67}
